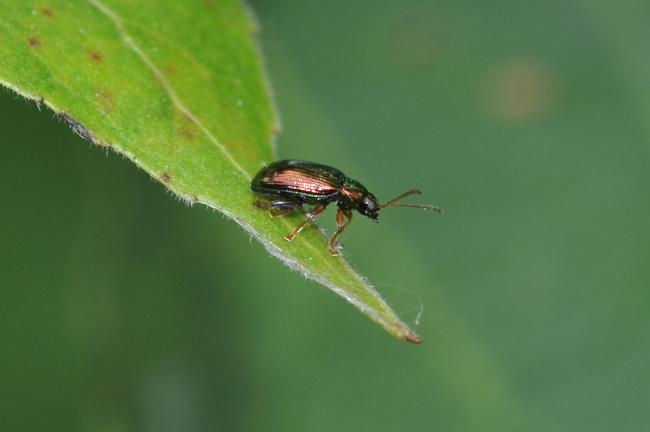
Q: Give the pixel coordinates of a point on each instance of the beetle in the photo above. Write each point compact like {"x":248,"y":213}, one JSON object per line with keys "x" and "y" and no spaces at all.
{"x":288,"y":185}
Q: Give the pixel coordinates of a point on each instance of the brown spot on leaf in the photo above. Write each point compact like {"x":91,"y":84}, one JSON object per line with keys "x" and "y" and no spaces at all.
{"x":248,"y":150}
{"x":77,"y":127}
{"x":209,"y":4}
{"x":171,"y":69}
{"x":105,"y":94}
{"x":95,"y":56}
{"x":47,"y":11}
{"x":105,"y":99}
{"x":186,"y":133}
{"x":34,"y":42}
{"x":166,"y":177}
{"x":261,"y":205}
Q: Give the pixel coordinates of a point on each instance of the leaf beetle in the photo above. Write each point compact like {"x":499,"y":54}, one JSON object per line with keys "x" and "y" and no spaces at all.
{"x":289,"y":185}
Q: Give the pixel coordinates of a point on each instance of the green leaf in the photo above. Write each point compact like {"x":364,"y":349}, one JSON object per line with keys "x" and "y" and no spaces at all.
{"x":178,"y":88}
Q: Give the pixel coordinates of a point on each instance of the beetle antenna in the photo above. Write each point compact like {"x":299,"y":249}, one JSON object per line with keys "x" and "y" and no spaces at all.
{"x":404,"y":195}
{"x":422,"y":206}
{"x":391,"y":203}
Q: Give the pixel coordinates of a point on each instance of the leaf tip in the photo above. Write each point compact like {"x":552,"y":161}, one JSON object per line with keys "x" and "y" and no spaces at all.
{"x":411,"y":337}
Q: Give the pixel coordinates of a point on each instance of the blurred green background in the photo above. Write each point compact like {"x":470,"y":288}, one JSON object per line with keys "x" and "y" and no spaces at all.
{"x":122,"y":309}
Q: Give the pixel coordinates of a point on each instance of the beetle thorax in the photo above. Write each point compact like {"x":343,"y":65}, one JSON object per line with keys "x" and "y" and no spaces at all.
{"x":354,"y":196}
{"x":350,"y":194}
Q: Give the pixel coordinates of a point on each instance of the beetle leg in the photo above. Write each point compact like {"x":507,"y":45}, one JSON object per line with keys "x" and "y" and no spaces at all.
{"x":342,"y":224}
{"x":284,"y":205}
{"x":312,"y":216}
{"x":277,"y":208}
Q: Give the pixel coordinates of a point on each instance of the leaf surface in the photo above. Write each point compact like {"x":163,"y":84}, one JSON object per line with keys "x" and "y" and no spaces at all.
{"x":179,"y":89}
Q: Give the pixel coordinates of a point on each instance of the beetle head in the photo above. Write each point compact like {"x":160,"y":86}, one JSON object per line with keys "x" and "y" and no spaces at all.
{"x":369,"y":206}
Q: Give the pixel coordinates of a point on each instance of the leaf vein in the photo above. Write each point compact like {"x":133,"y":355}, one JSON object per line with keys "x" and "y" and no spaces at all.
{"x":163,"y":81}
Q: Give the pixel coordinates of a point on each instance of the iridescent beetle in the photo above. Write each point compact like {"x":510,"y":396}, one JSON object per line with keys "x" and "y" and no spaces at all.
{"x":289,"y":185}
